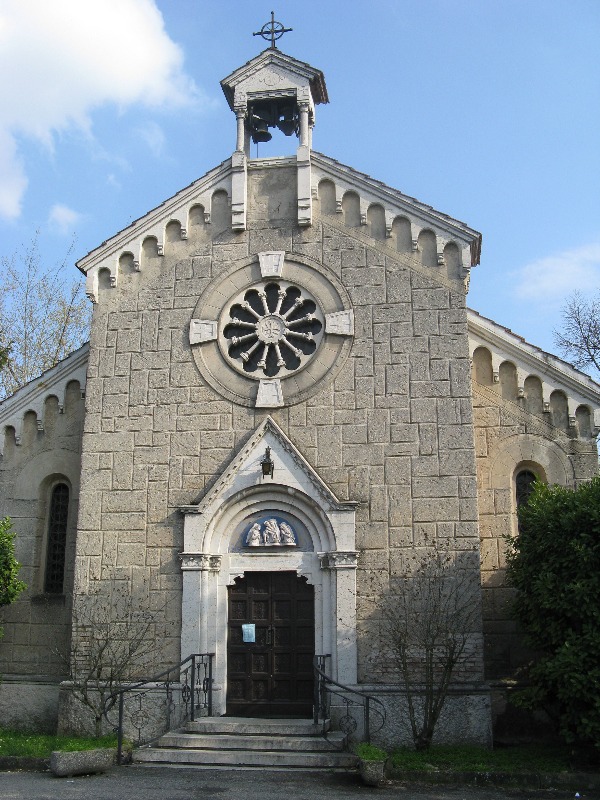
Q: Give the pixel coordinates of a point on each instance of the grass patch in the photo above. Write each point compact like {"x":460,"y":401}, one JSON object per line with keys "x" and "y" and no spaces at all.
{"x":369,"y":752}
{"x":525,"y":758}
{"x":36,"y":745}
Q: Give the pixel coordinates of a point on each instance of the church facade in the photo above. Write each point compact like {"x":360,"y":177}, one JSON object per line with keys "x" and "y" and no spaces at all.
{"x":285,"y":394}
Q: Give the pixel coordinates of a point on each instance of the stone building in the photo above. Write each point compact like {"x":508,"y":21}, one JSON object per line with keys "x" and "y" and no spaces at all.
{"x":284,"y":393}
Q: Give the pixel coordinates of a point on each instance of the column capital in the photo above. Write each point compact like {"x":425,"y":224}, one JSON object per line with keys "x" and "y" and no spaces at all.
{"x":339,"y":559}
{"x":200,"y":562}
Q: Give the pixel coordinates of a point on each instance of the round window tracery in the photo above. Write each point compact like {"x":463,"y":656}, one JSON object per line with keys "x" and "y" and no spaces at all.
{"x":271,"y":329}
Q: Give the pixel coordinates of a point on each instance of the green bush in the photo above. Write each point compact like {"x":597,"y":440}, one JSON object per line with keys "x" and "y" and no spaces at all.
{"x":555,"y":564}
{"x":10,"y":585}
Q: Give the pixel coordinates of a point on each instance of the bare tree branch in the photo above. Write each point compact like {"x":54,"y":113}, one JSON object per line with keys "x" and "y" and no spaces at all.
{"x":44,"y":316}
{"x":579,"y":337}
{"x":427,"y":621}
{"x":113,"y":641}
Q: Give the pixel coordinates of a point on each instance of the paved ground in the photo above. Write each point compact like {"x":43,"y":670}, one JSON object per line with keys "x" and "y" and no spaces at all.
{"x":160,"y":783}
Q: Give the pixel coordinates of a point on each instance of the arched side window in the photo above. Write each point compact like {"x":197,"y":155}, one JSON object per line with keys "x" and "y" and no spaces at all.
{"x":524,"y":481}
{"x":57,"y":539}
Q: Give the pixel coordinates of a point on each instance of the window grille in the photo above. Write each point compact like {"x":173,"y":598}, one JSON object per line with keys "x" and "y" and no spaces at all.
{"x":524,"y":485}
{"x":57,"y":539}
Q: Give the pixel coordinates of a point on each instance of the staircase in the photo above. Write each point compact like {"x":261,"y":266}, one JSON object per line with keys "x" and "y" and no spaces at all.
{"x":246,"y":742}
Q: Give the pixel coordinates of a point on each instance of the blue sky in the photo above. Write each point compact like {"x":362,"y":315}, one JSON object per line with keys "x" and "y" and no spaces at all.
{"x":489,"y":110}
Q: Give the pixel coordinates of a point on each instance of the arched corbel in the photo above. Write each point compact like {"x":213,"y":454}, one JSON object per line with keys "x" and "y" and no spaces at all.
{"x":389,"y":221}
{"x":522,"y":375}
{"x":339,"y":196}
{"x":546,"y":392}
{"x":18,"y":428}
{"x":91,"y":285}
{"x":572,"y":408}
{"x":180,"y":215}
{"x":364,"y":208}
{"x":204,"y":201}
{"x":496,"y":361}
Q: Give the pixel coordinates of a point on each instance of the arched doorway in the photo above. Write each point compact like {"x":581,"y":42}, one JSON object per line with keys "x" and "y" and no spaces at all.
{"x":270,"y":645}
{"x":222,"y":545}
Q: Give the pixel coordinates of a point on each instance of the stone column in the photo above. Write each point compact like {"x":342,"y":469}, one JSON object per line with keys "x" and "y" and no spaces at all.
{"x":303,"y":160}
{"x":199,"y":583}
{"x":240,"y":116}
{"x":239,"y":176}
{"x":343,"y":571}
{"x":304,"y":132}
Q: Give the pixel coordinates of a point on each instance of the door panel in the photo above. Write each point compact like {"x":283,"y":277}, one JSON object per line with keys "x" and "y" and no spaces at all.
{"x":274,"y":675}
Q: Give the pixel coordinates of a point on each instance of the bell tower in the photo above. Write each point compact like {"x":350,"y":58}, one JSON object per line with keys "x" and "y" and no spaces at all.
{"x":273,"y":91}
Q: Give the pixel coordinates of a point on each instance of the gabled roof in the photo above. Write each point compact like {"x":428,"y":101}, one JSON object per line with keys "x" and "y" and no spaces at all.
{"x":200,"y":191}
{"x":395,"y":202}
{"x":52,"y":382}
{"x":505,"y":345}
{"x":156,"y":219}
{"x":275,"y":58}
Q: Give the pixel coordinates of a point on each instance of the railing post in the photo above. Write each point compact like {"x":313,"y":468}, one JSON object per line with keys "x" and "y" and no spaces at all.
{"x":367,"y":720}
{"x":120,"y":731}
{"x":193,"y":689}
{"x":166,"y":680}
{"x":210,"y":684}
{"x":316,"y":693}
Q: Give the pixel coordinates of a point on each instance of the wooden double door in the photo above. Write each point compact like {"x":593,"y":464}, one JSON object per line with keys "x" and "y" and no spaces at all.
{"x":272,"y":675}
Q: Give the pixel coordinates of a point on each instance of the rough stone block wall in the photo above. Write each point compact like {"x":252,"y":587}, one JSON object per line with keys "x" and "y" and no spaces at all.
{"x":393,"y":430}
{"x":37,"y":625}
{"x":508,"y":437}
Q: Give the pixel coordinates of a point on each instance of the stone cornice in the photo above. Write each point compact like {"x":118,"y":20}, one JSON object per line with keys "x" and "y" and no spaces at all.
{"x":272,"y":161}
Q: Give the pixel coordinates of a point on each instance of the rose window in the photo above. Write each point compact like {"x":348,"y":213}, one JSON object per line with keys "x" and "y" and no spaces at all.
{"x":271,"y":329}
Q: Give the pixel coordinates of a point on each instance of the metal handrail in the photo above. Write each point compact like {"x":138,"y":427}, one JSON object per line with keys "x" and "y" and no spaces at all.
{"x":324,"y":684}
{"x":188,"y":689}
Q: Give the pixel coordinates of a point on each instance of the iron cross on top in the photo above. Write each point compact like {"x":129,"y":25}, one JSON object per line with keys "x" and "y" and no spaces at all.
{"x":272,"y":30}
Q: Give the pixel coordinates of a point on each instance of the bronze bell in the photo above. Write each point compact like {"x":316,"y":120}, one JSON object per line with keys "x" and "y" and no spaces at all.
{"x":287,"y":123}
{"x":260,"y":130}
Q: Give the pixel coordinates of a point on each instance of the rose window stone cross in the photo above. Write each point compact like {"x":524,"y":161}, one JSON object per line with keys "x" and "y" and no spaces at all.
{"x":272,"y":329}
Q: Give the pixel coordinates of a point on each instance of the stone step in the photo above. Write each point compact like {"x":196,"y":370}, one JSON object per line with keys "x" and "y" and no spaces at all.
{"x":334,"y":741}
{"x":244,"y":758}
{"x":253,"y":726}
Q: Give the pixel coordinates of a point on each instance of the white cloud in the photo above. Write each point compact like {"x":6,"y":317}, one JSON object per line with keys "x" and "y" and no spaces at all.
{"x":13,"y":181}
{"x":551,"y":279}
{"x":65,"y":58}
{"x":63,"y":219}
{"x":113,"y":181}
{"x":152,"y":134}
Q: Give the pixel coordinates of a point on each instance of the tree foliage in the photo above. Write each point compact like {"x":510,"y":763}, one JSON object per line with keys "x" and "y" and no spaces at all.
{"x":427,"y":620}
{"x":10,"y":585}
{"x":44,"y":315}
{"x":579,"y":338}
{"x":555,"y":564}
